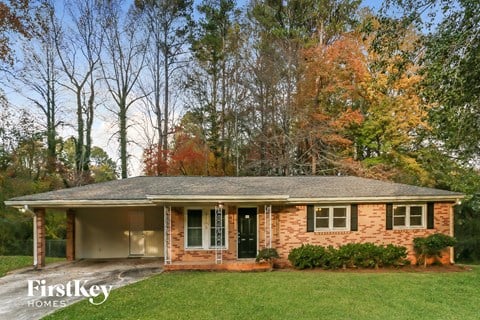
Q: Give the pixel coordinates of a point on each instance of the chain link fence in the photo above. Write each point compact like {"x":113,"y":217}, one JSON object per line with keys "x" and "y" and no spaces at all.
{"x":53,"y":248}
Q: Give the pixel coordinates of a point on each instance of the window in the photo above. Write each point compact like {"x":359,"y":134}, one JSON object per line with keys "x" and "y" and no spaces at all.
{"x":409,"y":216}
{"x":194,"y":228}
{"x":200,"y":228}
{"x":328,"y":218}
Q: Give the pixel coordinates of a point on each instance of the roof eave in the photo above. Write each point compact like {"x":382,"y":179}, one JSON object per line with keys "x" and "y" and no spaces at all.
{"x":379,"y":199}
{"x":77,"y":203}
{"x":199,"y":199}
{"x":155,"y":200}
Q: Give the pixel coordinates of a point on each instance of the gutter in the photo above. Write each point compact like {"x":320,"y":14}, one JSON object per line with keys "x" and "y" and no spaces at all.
{"x":155,"y":200}
{"x":218,"y":198}
{"x":454,"y":198}
{"x":77,"y":203}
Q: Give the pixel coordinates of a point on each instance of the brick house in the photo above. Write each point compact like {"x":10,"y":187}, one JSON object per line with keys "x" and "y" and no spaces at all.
{"x":220,"y":221}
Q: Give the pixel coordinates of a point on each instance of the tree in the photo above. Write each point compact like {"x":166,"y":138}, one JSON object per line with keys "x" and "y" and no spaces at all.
{"x":14,"y":18}
{"x":168,"y":23}
{"x":121,"y":66}
{"x":284,"y":30}
{"x":330,"y":100}
{"x":451,"y":54}
{"x":214,"y":45}
{"x":396,"y":128}
{"x":79,"y":46}
{"x":39,"y":77}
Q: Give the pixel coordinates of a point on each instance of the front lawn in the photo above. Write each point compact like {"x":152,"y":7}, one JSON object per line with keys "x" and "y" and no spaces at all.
{"x":291,"y":295}
{"x":9,"y":263}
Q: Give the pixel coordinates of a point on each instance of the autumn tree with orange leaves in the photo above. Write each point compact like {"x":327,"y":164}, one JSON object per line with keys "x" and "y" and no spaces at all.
{"x":329,"y":101}
{"x":14,"y":20}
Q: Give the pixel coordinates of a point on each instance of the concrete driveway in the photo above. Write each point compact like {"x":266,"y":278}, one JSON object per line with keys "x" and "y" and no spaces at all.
{"x":30,"y":294}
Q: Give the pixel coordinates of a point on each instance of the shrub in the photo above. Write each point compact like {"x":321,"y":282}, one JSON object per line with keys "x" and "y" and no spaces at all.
{"x":267,"y":254}
{"x":307,"y":256}
{"x":363,"y":255}
{"x":431,"y":246}
{"x":369,"y":255}
{"x":394,"y":255}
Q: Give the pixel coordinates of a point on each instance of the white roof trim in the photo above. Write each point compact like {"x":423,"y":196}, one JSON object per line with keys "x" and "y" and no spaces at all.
{"x":217,"y":198}
{"x":450,"y":198}
{"x":154,"y":200}
{"x":79,"y":203}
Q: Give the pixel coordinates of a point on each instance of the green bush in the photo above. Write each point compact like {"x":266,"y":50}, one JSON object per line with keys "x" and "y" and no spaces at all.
{"x":267,"y":254}
{"x":307,"y":256}
{"x":362,"y":255}
{"x":431,"y":246}
{"x":369,"y":255}
{"x":394,"y":255}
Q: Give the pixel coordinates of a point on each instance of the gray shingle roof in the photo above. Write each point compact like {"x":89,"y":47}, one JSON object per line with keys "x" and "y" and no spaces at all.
{"x":299,"y":187}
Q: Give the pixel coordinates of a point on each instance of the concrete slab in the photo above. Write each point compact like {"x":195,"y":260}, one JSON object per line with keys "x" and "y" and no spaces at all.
{"x":15,"y":303}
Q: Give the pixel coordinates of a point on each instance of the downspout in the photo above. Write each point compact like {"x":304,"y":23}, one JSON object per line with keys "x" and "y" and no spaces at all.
{"x":34,"y":216}
{"x":458,"y":202}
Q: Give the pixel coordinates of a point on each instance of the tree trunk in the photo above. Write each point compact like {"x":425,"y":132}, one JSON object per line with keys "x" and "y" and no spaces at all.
{"x":166,"y":102}
{"x":122,"y":119}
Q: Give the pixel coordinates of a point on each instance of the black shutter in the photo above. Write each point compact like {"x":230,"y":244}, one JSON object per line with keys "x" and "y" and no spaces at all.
{"x":310,"y":218}
{"x":354,"y":217}
{"x":430,"y":216}
{"x":389,"y":216}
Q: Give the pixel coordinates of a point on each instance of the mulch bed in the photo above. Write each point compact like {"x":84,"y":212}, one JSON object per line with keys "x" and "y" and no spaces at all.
{"x":406,"y":269}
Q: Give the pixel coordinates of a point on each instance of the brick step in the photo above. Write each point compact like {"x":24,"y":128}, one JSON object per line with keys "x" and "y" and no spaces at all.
{"x":225,"y":266}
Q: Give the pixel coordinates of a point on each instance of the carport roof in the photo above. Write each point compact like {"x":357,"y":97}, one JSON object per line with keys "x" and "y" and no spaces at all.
{"x":298,"y":189}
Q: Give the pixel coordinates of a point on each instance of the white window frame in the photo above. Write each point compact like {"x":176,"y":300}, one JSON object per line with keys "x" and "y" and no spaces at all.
{"x":407,"y":216}
{"x":206,"y":229}
{"x":330,"y":218}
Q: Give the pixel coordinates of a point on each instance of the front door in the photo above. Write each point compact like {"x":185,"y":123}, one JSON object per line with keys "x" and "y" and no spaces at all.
{"x":137,"y":234}
{"x":247,"y":232}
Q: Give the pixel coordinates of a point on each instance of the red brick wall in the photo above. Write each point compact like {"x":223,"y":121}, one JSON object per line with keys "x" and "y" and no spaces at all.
{"x":291,"y":225}
{"x":40,"y":220}
{"x":179,"y":253}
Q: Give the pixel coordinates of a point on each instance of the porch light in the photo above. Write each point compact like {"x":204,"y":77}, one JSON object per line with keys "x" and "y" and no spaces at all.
{"x":220,"y":205}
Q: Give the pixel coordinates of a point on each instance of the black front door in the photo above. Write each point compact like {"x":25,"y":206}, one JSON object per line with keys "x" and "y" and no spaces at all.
{"x":247,"y":232}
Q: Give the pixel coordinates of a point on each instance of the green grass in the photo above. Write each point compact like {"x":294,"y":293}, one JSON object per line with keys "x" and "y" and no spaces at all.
{"x":291,"y":295}
{"x":9,"y":263}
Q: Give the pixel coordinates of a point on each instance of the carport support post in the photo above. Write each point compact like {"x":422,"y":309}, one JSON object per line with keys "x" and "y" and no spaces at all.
{"x":70,"y":228}
{"x":40,"y":239}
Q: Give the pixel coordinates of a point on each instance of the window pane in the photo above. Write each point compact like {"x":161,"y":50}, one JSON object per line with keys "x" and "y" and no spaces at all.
{"x":321,"y":218}
{"x":194,"y":228}
{"x":194,"y":218}
{"x":339,"y":212}
{"x":321,"y":223}
{"x":399,"y":211}
{"x":339,"y":217}
{"x":416,"y":211}
{"x":399,"y":221}
{"x":322,"y":212}
{"x":339,"y":222}
{"x":194,"y":238}
{"x":415,"y":221}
